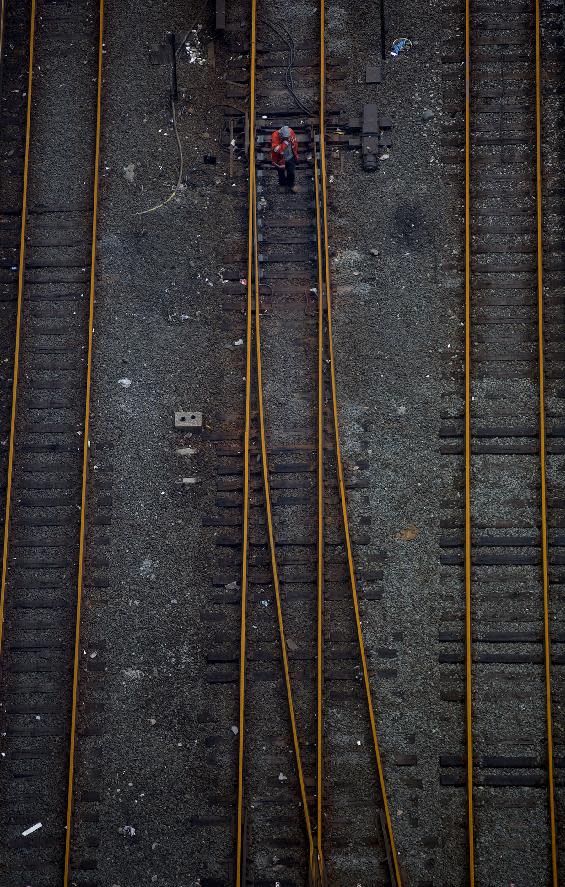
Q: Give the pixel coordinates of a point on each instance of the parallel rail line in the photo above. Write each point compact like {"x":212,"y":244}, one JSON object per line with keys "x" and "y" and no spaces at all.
{"x":472,"y":230}
{"x":44,"y":551}
{"x":315,"y":834}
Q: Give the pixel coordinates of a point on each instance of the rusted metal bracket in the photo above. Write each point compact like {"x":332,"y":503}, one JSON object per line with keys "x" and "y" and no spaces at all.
{"x":371,"y":133}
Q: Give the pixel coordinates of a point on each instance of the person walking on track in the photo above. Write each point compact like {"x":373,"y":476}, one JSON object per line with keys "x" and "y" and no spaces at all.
{"x":284,"y":156}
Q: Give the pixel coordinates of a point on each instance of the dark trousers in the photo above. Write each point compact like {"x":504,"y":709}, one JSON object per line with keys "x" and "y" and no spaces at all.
{"x":287,"y":175}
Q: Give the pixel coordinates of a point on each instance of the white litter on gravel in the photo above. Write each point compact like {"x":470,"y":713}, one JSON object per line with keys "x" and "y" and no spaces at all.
{"x":133,"y":673}
{"x":125,"y":383}
{"x":127,"y":830}
{"x":147,"y":568}
{"x":193,"y":47}
{"x":31,"y":829}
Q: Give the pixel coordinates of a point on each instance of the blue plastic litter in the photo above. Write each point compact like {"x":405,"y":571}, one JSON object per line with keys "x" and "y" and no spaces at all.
{"x":399,"y":45}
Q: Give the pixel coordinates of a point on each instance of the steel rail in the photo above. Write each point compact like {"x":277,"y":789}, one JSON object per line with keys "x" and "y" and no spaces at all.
{"x":341,"y":483}
{"x":468,"y":547}
{"x":313,"y":866}
{"x":253,"y":284}
{"x":543,"y":472}
{"x":316,"y":875}
{"x":246,"y":457}
{"x":19,"y":306}
{"x":85,"y":452}
{"x":320,"y":542}
{"x":253,"y":233}
{"x":316,"y":864}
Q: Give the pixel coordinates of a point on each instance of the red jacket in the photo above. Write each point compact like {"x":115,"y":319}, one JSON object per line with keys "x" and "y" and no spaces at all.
{"x":278,"y":146}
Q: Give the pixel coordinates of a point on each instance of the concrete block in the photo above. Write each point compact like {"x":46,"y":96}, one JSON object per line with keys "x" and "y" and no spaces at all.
{"x":188,"y":420}
{"x":220,"y":15}
{"x":370,"y":119}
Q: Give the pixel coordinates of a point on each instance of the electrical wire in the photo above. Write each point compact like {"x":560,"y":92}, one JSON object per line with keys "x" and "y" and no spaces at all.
{"x":174,"y":192}
{"x":287,"y":38}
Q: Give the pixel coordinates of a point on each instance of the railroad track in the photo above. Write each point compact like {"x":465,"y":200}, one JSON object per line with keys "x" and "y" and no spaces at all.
{"x":49,"y":288}
{"x":310,"y":782}
{"x":14,"y":31}
{"x":508,"y":534}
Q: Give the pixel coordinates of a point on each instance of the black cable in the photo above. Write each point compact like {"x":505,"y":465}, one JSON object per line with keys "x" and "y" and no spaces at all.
{"x":289,"y":77}
{"x":286,"y":37}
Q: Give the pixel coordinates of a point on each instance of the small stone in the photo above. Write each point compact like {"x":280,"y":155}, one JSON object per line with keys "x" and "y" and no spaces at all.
{"x":427,"y":115}
{"x":235,"y":730}
{"x":133,"y":674}
{"x":129,"y":172}
{"x":127,"y":830}
{"x":283,"y":778}
{"x":125,"y":383}
{"x":146,"y":569}
{"x":292,"y":645}
{"x":374,"y":252}
{"x":407,"y":535}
